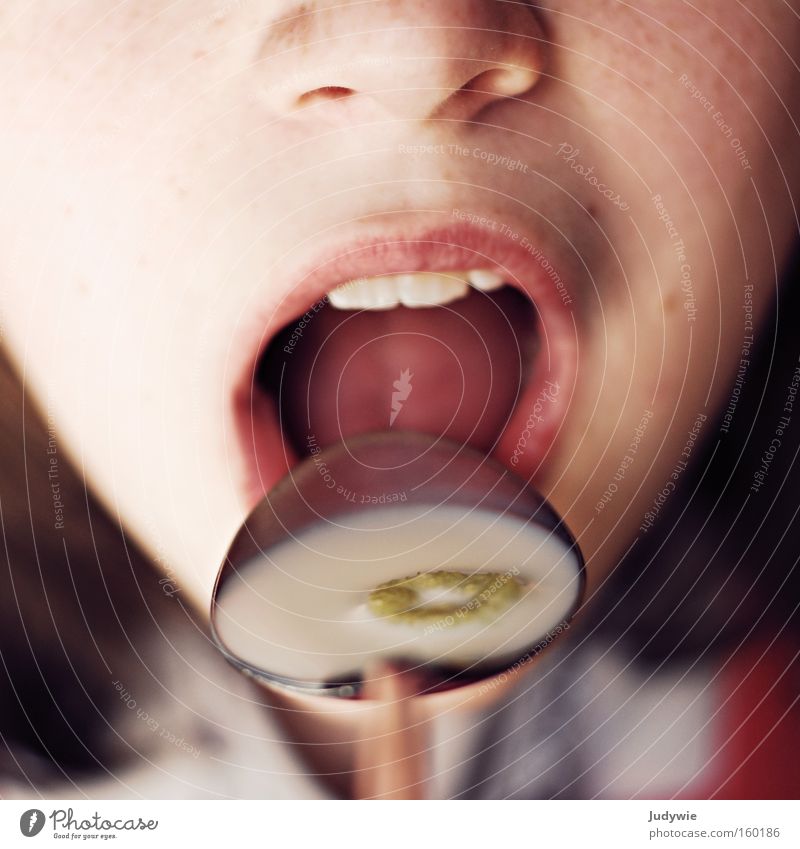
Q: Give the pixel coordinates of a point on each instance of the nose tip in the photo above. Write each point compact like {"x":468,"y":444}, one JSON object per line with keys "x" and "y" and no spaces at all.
{"x":433,"y":61}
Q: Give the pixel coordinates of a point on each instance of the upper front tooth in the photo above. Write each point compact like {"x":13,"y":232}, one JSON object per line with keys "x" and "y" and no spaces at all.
{"x":421,"y":289}
{"x":380,"y":293}
{"x":485,"y":280}
{"x":365,"y":293}
{"x":429,"y":290}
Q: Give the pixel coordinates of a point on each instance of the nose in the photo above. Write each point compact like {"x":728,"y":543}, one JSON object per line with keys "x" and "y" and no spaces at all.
{"x":408,"y":59}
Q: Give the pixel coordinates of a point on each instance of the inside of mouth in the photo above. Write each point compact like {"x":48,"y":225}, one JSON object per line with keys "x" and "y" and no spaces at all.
{"x":455,"y":370}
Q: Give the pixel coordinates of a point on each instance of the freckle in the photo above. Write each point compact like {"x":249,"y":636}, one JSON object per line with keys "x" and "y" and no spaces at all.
{"x":199,"y":54}
{"x":671,"y":302}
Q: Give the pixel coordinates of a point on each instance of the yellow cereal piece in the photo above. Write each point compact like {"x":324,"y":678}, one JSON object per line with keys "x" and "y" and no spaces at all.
{"x":483,"y":595}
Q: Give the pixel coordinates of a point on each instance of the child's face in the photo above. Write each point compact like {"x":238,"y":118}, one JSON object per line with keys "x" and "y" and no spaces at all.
{"x":164,"y":199}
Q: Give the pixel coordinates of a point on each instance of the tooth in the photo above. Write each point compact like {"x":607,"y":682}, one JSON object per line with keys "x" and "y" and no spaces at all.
{"x":348,"y":295}
{"x":383,"y":293}
{"x":430,"y":290}
{"x":420,"y":289}
{"x":484,"y":280}
{"x":377,"y":293}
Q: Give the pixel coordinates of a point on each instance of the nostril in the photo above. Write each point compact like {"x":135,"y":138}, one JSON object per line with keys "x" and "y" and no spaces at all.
{"x":485,"y":88}
{"x":327,"y":92}
{"x":506,"y":82}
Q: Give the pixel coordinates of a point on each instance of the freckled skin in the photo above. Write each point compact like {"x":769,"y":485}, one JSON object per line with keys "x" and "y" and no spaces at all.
{"x":161,"y":127}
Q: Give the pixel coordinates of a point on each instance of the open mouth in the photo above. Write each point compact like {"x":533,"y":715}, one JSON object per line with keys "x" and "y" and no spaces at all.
{"x":396,"y":353}
{"x":457,"y":333}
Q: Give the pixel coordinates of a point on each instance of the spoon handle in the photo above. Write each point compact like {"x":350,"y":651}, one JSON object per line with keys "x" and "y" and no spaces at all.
{"x":391,"y":756}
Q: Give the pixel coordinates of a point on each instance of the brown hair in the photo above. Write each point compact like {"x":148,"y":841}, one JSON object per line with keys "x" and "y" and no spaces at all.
{"x":75,"y":599}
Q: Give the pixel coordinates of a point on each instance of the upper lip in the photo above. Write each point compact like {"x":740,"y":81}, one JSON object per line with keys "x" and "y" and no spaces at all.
{"x":403,"y":249}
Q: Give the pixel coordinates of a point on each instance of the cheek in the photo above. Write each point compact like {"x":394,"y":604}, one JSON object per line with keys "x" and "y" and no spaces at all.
{"x":704,"y":95}
{"x":104,"y":309}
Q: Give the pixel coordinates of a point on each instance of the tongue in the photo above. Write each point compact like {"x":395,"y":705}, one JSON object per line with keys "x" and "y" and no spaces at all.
{"x":454,"y":371}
